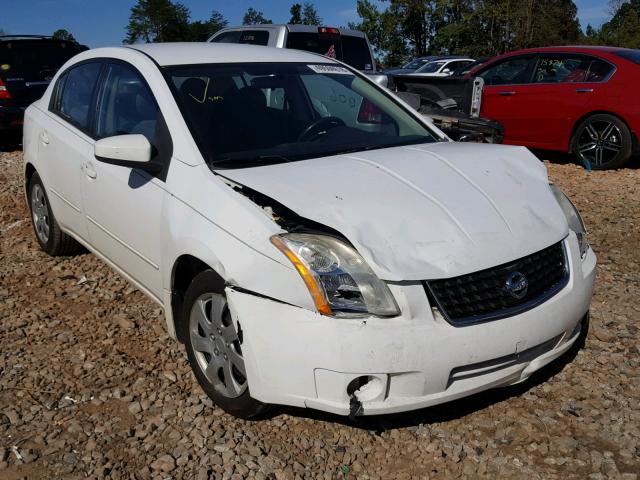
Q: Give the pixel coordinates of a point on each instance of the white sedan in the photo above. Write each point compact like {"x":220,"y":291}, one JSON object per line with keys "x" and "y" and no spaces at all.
{"x":442,"y":67}
{"x":312,"y":240}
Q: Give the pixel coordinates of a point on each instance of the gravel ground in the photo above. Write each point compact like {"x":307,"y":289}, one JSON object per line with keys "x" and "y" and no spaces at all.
{"x":91,"y":386}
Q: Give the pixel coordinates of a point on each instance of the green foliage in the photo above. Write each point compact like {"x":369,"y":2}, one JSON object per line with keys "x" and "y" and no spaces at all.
{"x":62,"y":34}
{"x":310,"y":15}
{"x":167,"y":21}
{"x":304,"y":14}
{"x":201,"y":31}
{"x":296,"y":14}
{"x":623,"y":30}
{"x":407,"y":28}
{"x":254,"y":17}
{"x":158,"y":21}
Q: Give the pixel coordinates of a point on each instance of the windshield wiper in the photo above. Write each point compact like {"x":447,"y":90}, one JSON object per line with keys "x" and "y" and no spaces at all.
{"x":240,"y":162}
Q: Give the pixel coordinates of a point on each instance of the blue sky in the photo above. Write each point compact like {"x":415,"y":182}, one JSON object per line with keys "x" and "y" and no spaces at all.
{"x":99,"y":23}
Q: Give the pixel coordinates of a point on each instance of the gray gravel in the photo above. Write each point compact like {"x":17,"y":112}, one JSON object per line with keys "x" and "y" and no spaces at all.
{"x":91,"y":386}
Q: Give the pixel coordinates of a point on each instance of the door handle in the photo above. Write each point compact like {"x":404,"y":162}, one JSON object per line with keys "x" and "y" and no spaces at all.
{"x":89,"y":171}
{"x":44,"y":138}
{"x":584,"y":90}
{"x":507,"y":93}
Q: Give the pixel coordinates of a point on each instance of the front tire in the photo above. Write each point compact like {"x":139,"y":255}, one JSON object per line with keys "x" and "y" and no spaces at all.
{"x":214,"y":347}
{"x":51,"y":238}
{"x":603,"y":141}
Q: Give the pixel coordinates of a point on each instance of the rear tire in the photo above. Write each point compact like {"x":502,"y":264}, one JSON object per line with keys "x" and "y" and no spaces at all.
{"x":214,"y":347}
{"x":603,"y":141}
{"x":51,"y":238}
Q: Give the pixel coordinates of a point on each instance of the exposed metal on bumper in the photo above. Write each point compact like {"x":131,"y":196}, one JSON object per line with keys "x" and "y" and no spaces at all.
{"x":296,"y":357}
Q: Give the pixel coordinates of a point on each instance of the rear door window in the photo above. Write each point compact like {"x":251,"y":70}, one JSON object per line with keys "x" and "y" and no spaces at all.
{"x":75,"y":92}
{"x":561,"y":69}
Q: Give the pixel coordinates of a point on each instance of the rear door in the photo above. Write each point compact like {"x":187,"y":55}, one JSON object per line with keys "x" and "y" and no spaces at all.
{"x":65,"y":142}
{"x":504,"y":92}
{"x":557,"y":95}
{"x":28,"y":65}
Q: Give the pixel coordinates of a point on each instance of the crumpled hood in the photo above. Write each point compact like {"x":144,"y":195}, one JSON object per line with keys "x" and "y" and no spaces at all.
{"x":422,"y":212}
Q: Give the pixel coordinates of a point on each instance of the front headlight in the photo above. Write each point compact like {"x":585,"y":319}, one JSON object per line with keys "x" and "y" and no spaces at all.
{"x":573,"y":218}
{"x":339,"y":280}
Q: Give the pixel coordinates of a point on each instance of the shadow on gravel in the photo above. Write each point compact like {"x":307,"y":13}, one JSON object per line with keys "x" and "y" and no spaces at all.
{"x":447,"y":411}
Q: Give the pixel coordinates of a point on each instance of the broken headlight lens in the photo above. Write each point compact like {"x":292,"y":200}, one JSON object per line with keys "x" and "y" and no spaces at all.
{"x":573,"y":218}
{"x":338,"y":278}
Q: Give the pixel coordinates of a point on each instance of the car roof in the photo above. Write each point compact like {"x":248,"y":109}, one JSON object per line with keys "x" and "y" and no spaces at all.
{"x":188,"y":53}
{"x":595,"y":49}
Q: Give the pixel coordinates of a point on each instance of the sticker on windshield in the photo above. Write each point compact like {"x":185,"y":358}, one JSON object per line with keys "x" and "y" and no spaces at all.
{"x":329,"y":69}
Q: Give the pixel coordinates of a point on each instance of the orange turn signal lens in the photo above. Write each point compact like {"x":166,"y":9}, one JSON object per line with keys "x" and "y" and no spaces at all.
{"x":316,"y":291}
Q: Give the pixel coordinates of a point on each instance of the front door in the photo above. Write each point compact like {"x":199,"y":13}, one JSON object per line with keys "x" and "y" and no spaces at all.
{"x":123,"y":205}
{"x":504,"y":93}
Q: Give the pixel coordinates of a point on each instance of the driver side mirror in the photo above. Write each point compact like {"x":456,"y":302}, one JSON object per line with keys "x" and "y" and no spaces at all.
{"x":132,"y":151}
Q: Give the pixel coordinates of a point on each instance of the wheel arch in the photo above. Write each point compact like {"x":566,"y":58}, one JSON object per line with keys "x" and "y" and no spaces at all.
{"x":29,"y":170}
{"x":185,"y":268}
{"x":578,"y":121}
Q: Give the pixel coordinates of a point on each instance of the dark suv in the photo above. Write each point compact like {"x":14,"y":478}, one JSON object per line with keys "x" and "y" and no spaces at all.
{"x":27,"y":65}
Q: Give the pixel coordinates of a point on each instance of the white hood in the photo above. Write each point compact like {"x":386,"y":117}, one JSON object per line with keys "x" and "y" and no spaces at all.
{"x":421,"y":212}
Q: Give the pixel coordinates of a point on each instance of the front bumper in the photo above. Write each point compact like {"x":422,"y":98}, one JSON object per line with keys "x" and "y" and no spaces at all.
{"x":297,"y":357}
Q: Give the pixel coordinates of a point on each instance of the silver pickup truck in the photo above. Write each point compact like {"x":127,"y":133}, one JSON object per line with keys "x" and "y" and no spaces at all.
{"x":349,"y":46}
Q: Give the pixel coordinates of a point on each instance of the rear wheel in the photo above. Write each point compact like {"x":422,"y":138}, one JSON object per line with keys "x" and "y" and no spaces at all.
{"x":214,"y":347}
{"x":602,"y":141}
{"x":51,"y":239}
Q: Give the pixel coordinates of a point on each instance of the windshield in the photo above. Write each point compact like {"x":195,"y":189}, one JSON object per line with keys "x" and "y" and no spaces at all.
{"x":244,"y":115}
{"x":431,"y":67}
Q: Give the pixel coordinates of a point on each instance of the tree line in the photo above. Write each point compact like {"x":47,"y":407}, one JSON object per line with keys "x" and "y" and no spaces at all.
{"x":401,"y":29}
{"x":169,"y":21}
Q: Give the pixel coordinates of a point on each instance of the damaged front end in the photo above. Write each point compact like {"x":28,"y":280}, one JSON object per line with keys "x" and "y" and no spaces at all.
{"x":339,"y":280}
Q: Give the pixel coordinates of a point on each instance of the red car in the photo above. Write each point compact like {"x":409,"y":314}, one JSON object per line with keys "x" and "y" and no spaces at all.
{"x":572,"y":99}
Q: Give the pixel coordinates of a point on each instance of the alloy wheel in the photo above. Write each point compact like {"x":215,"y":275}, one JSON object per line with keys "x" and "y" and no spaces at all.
{"x":40,"y":213}
{"x":600,"y":142}
{"x":216,"y":345}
